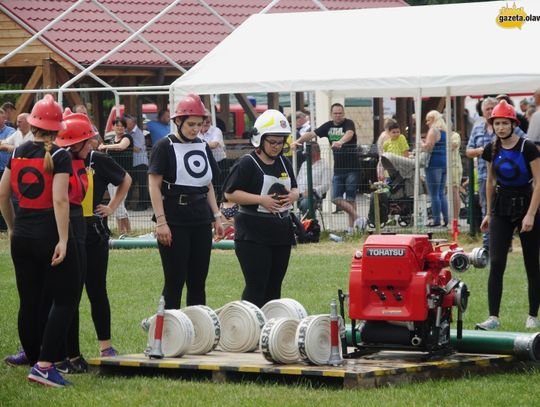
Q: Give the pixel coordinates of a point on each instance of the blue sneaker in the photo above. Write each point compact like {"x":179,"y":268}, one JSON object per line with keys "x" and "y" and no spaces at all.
{"x":48,"y":376}
{"x":109,"y":352}
{"x":18,"y":359}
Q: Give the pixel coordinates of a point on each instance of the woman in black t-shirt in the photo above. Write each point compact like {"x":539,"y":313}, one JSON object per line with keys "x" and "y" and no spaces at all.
{"x":264,"y":186}
{"x":512,"y":202}
{"x":38,"y":174}
{"x":120,"y":148}
{"x":180,"y":182}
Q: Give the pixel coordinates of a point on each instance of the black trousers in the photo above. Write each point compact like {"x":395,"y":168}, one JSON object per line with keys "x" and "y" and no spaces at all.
{"x":186,"y":261}
{"x":43,"y":331}
{"x":501,"y":229}
{"x":264,"y":269}
{"x":97,"y":251}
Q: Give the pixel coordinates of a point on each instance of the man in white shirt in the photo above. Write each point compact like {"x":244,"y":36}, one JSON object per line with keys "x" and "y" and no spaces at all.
{"x":533,"y":133}
{"x":214,"y":138}
{"x":21,"y":135}
{"x":321,"y":177}
{"x":140,"y":165}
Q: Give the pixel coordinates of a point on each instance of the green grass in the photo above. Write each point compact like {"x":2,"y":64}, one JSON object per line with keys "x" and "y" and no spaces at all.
{"x":315,"y":273}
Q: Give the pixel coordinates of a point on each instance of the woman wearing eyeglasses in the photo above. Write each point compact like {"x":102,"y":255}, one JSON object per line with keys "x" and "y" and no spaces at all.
{"x":264,"y":186}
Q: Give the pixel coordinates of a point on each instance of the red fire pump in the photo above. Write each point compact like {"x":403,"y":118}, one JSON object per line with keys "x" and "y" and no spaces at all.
{"x":401,"y":293}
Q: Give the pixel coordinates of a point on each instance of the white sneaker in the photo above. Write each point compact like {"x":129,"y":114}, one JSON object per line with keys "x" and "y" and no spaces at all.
{"x":489,"y":324}
{"x":532,"y":322}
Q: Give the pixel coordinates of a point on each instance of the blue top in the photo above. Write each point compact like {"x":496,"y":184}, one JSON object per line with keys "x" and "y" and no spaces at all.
{"x":438,"y":154}
{"x":157,"y":130}
{"x":4,"y":156}
{"x":480,"y":137}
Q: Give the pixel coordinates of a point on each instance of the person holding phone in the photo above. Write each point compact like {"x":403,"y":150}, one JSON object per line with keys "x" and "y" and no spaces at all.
{"x":264,"y":186}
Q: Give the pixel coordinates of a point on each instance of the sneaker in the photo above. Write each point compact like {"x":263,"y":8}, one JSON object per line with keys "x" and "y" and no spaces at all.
{"x":72,"y":366}
{"x":80,"y":364}
{"x":489,"y":324}
{"x":109,"y":352}
{"x":48,"y":376}
{"x":18,"y":359}
{"x":532,"y":322}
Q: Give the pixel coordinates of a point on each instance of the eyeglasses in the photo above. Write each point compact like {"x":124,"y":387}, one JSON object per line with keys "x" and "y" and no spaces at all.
{"x":275,"y":143}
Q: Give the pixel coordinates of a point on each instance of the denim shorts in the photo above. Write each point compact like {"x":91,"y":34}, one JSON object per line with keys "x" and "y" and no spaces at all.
{"x":345,"y":183}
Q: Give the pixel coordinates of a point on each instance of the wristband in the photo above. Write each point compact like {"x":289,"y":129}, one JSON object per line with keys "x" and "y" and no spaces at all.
{"x":160,"y":216}
{"x":161,"y":224}
{"x":217,"y":215}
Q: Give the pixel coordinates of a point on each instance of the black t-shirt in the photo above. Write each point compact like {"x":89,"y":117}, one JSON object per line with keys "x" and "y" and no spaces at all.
{"x":163,"y":162}
{"x":530,"y":153}
{"x":247,"y":176}
{"x":39,"y":223}
{"x":346,"y":157}
{"x":124,"y":157}
{"x":106,"y":171}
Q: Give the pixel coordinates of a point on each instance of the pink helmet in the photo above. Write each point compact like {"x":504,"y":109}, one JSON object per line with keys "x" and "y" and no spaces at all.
{"x":191,"y":105}
{"x":78,"y":128}
{"x":47,"y":115}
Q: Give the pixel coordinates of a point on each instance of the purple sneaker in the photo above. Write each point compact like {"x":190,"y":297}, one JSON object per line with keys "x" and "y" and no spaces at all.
{"x":48,"y":376}
{"x":18,"y":359}
{"x":109,"y":352}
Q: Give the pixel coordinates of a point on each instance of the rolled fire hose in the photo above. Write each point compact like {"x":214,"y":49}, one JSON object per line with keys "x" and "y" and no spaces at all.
{"x":313,"y":339}
{"x":177,"y":335}
{"x":241,"y":325}
{"x":278,"y":340}
{"x":207,"y":329}
{"x":284,"y":308}
{"x":136,"y":243}
{"x":526,"y":346}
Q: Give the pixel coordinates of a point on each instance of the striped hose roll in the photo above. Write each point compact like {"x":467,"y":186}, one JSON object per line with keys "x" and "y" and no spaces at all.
{"x":284,"y":308}
{"x":241,"y":324}
{"x":207,"y":329}
{"x":177,"y":335}
{"x":277,"y":342}
{"x":313,"y":339}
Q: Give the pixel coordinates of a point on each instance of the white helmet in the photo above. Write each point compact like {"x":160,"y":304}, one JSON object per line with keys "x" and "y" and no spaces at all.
{"x":270,"y":122}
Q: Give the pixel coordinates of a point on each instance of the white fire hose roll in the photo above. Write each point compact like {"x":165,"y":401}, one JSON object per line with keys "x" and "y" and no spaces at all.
{"x":207,"y":329}
{"x":313,"y":339}
{"x":284,"y":308}
{"x":177,"y":335}
{"x":278,"y":340}
{"x":241,"y":325}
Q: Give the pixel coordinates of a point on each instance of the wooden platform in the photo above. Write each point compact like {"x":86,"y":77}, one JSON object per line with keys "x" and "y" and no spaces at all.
{"x":374,"y":370}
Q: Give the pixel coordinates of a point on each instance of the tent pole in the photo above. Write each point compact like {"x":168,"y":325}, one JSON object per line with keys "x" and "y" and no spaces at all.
{"x":417,"y":216}
{"x":449,"y":175}
{"x":293,"y":129}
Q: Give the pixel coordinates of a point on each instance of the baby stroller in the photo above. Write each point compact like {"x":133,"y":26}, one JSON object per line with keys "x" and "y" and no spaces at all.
{"x":396,"y":194}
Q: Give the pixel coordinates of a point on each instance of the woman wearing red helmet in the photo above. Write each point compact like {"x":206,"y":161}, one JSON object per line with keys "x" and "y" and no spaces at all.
{"x":180,"y":182}
{"x":512,"y":202}
{"x":92,"y":172}
{"x":38,"y":174}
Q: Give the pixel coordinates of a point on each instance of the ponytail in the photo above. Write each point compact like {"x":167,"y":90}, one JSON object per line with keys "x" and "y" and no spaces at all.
{"x":48,"y":163}
{"x":494,"y":151}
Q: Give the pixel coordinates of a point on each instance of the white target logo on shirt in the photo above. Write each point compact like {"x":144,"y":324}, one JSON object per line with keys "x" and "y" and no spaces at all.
{"x":192,"y":165}
{"x":196,"y":163}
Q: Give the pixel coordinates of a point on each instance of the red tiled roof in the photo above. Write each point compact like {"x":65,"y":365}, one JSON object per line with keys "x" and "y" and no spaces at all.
{"x":186,"y":33}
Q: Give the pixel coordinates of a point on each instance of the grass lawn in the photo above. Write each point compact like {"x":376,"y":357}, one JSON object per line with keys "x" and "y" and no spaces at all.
{"x":315,"y":273}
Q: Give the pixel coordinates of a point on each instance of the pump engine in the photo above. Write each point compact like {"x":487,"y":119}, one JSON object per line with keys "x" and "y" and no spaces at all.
{"x":401,"y":293}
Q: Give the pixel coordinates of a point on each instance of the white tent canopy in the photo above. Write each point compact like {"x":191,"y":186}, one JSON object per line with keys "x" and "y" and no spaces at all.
{"x":455,"y":49}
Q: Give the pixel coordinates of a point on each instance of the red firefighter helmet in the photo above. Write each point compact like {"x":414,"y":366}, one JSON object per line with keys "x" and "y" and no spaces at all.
{"x":191,"y":105}
{"x":503,"y":111}
{"x":78,"y":128}
{"x":47,"y":115}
